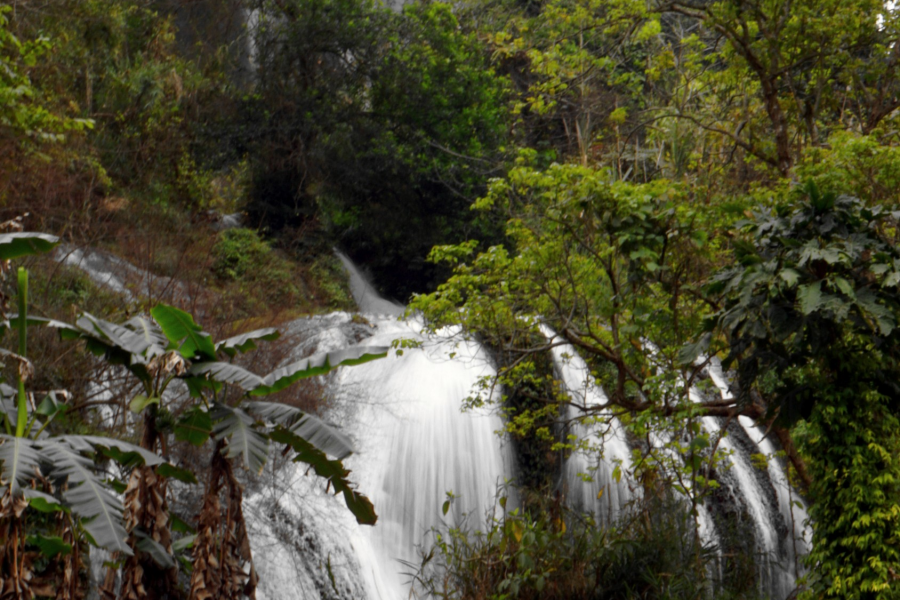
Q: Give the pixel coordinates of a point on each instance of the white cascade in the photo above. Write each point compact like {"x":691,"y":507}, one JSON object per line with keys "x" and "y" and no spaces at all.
{"x":588,"y":483}
{"x":413,"y":446}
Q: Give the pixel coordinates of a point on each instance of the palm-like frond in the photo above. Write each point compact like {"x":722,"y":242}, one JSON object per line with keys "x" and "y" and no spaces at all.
{"x":19,"y":462}
{"x":244,"y":439}
{"x":87,"y":496}
{"x":318,"y":364}
{"x":246,"y":341}
{"x":320,"y":434}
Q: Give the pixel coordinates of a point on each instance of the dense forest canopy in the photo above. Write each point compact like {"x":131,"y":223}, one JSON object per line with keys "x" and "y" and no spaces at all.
{"x":660,"y":182}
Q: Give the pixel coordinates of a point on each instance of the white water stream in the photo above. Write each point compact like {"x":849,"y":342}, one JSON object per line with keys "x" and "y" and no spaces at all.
{"x":414,"y":445}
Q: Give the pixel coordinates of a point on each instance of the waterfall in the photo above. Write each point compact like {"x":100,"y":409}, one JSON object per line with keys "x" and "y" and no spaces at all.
{"x":414,"y":445}
{"x":777,"y":518}
{"x":602,"y":494}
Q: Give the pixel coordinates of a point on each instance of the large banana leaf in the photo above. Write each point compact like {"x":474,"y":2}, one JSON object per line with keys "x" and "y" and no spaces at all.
{"x":16,"y":245}
{"x":320,"y":434}
{"x":150,"y":334}
{"x":125,"y":452}
{"x":20,"y":460}
{"x":123,"y":338}
{"x":246,"y":341}
{"x":226,"y":373}
{"x":87,"y":495}
{"x":66,"y":330}
{"x":244,"y":439}
{"x":318,"y":364}
{"x":180,"y":328}
{"x":332,"y":470}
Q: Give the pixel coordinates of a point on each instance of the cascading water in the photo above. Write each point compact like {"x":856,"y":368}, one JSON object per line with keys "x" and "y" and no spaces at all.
{"x":778,"y":521}
{"x":601,"y":494}
{"x":414,"y":445}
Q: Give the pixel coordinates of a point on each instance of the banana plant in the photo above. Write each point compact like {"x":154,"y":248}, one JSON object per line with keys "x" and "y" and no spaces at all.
{"x":167,"y":347}
{"x":51,"y":492}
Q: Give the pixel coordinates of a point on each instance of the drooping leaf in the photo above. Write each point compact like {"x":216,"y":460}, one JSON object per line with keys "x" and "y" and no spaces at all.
{"x":19,"y":461}
{"x":244,"y":439}
{"x":246,"y":341}
{"x":157,"y":552}
{"x":690,"y":352}
{"x":49,"y":546}
{"x":126,"y":452}
{"x":332,"y":470}
{"x":178,"y":325}
{"x":321,"y":435}
{"x":194,"y":426}
{"x":87,"y":495}
{"x":12,"y":322}
{"x":26,"y":243}
{"x":172,"y":472}
{"x":226,"y":373}
{"x":43,"y":502}
{"x":317,"y":364}
{"x":184,"y":543}
{"x":125,"y":339}
{"x":150,"y":334}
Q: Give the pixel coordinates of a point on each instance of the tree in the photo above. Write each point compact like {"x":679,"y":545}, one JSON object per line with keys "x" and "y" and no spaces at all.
{"x":56,"y":475}
{"x":811,"y":312}
{"x":171,"y":347}
{"x":52,"y":493}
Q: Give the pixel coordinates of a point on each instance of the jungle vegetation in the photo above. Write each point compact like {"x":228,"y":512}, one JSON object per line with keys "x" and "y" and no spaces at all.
{"x":715,"y":178}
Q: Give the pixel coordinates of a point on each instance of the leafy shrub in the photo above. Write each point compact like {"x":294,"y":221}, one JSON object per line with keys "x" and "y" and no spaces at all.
{"x":651,"y":552}
{"x":240,"y":252}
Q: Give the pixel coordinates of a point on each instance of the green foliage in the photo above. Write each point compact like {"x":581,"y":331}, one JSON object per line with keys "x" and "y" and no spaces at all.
{"x":239,"y":253}
{"x":559,"y":555}
{"x":24,"y":113}
{"x":242,"y":256}
{"x":814,"y":300}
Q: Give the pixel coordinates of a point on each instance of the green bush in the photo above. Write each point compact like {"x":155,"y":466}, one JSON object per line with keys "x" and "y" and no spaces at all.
{"x":651,"y":552}
{"x":240,"y":252}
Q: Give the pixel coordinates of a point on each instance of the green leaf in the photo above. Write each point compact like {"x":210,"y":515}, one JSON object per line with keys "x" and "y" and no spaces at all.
{"x":247,"y":341}
{"x":16,"y":245}
{"x":323,"y":436}
{"x":42,"y":502}
{"x":125,"y":453}
{"x":194,"y":426}
{"x":51,"y":405}
{"x":790,"y":276}
{"x":178,"y":325}
{"x":845,"y":287}
{"x":12,"y":322}
{"x":332,"y":470}
{"x":49,"y":546}
{"x":810,"y":297}
{"x":184,"y":543}
{"x":140,"y":402}
{"x":19,"y":460}
{"x":317,"y":364}
{"x":170,"y":471}
{"x":154,"y":549}
{"x":244,"y":439}
{"x":226,"y":373}
{"x":87,"y":495}
{"x":690,"y":352}
{"x":178,"y":525}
